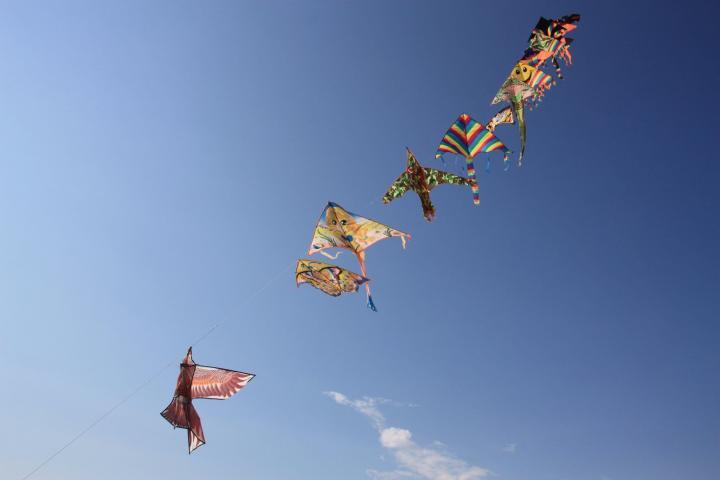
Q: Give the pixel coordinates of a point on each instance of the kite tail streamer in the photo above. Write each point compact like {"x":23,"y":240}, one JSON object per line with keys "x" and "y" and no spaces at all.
{"x":487,"y":166}
{"x":473,"y":186}
{"x":370,"y":303}
{"x":520,"y":113}
{"x":506,"y":161}
{"x":325,"y":254}
{"x":558,"y":70}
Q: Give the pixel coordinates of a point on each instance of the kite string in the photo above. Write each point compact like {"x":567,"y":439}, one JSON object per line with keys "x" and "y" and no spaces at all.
{"x":147,"y":382}
{"x":98,"y":420}
{"x":244,"y":301}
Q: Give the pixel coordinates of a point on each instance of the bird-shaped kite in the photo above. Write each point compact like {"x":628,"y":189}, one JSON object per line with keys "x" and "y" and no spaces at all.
{"x":467,"y":137}
{"x":200,"y":381}
{"x":331,"y":279}
{"x":421,"y":180}
{"x":338,"y":228}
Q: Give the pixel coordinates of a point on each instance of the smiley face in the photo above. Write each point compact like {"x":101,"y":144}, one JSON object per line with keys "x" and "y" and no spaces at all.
{"x":337,"y":219}
{"x":522,"y":72}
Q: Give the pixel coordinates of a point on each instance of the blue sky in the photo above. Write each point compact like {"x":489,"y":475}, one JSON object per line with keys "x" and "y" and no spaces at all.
{"x":162,"y":161}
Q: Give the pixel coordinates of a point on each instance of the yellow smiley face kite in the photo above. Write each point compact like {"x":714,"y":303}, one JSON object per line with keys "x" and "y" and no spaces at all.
{"x":522,"y":72}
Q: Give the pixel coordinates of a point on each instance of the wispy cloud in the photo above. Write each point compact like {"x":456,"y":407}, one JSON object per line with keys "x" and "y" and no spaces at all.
{"x":510,"y":448}
{"x":413,"y":460}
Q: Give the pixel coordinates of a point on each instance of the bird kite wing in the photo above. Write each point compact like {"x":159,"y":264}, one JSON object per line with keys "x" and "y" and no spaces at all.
{"x":398,"y":188}
{"x":438,"y":177}
{"x":217,"y":383}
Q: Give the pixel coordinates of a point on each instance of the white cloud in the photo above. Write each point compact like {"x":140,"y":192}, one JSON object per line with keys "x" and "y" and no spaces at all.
{"x":510,"y":448}
{"x":395,"y":437}
{"x":394,"y":475}
{"x":366,"y":405}
{"x":413,"y":460}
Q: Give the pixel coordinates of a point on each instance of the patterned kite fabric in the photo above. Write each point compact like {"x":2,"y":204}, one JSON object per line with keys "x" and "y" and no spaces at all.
{"x":467,"y":137}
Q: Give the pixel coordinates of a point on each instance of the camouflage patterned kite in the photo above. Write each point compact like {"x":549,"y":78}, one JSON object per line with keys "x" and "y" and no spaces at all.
{"x":421,"y":180}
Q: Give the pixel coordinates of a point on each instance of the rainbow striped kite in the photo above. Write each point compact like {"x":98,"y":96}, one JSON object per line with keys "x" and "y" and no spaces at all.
{"x":468,"y":137}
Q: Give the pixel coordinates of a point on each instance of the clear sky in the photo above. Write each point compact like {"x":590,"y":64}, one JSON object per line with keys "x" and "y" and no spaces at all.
{"x":160,"y":162}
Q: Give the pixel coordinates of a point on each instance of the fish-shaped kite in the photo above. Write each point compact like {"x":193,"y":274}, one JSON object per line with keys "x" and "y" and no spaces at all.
{"x":330,"y":279}
{"x":200,"y":381}
{"x":548,"y":41}
{"x":524,"y":84}
{"x":421,"y":180}
{"x":338,"y":228}
{"x":467,"y":137}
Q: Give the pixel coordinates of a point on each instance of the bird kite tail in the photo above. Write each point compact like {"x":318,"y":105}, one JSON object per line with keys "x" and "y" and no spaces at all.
{"x":196,"y":437}
{"x":177,"y":413}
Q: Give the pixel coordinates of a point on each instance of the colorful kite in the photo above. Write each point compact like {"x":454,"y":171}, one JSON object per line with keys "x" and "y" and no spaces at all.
{"x":503,"y":116}
{"x":421,"y":180}
{"x":527,"y":83}
{"x":468,"y":137}
{"x":200,"y":381}
{"x":338,"y":228}
{"x":524,"y":84}
{"x":548,"y":41}
{"x":331,"y":279}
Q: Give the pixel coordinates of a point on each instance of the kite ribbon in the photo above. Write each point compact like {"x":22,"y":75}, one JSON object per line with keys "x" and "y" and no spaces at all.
{"x":361,"y":260}
{"x":473,"y":185}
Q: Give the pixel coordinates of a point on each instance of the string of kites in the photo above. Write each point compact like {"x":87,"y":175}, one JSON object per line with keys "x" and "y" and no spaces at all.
{"x":338,"y":228}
